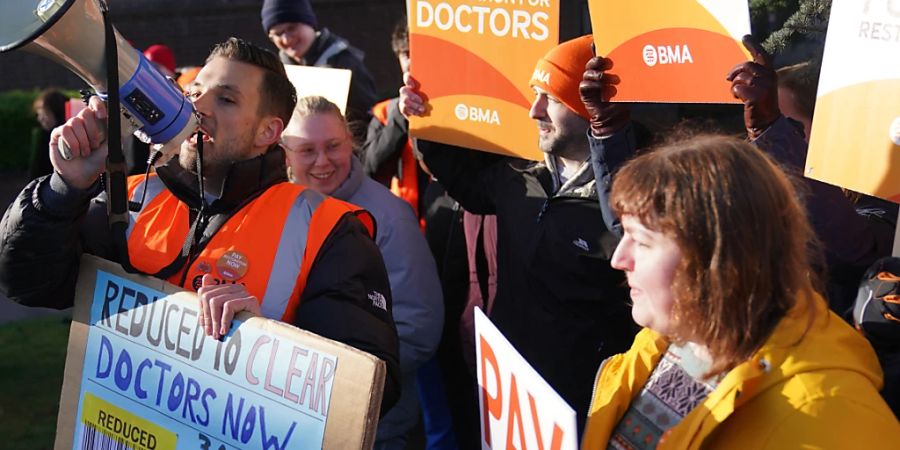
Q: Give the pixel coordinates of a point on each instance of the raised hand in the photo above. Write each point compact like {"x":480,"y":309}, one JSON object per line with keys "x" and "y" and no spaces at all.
{"x":411,"y":102}
{"x":597,"y":87}
{"x":755,"y":83}
{"x":82,"y":156}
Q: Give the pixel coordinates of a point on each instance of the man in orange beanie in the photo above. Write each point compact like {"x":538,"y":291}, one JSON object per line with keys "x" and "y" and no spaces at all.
{"x":557,"y":300}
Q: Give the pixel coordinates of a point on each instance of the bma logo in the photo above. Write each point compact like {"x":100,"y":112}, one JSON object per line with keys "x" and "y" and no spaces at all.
{"x":476,"y":114}
{"x":667,"y":54}
{"x":541,"y":76}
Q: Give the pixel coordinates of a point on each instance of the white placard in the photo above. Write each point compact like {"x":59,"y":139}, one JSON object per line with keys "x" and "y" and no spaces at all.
{"x":333,"y":84}
{"x":517,"y":408}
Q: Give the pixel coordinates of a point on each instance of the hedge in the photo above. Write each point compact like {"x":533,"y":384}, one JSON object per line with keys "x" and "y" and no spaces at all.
{"x":16,"y":124}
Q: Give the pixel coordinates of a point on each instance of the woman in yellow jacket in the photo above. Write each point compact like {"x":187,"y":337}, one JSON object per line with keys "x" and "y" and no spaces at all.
{"x":739,"y":350}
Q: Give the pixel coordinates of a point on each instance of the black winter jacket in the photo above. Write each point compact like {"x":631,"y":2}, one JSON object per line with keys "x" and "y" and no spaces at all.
{"x":384,"y":144}
{"x":558,"y":300}
{"x":331,"y":50}
{"x":49,"y":225}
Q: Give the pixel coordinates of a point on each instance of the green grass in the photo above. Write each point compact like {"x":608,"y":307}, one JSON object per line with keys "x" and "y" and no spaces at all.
{"x":32,"y":359}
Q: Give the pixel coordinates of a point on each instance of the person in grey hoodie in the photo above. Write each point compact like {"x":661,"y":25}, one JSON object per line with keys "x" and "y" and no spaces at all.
{"x":320,"y":156}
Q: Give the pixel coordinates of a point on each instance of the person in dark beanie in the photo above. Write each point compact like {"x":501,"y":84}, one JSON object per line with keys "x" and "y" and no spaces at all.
{"x":292,"y":26}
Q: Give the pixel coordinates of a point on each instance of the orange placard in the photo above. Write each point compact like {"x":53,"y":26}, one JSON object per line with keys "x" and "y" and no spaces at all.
{"x":672,"y":51}
{"x":473,"y":60}
{"x":855,"y":140}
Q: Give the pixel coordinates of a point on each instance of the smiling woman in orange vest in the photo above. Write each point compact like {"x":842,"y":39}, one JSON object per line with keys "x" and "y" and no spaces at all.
{"x":246,"y":240}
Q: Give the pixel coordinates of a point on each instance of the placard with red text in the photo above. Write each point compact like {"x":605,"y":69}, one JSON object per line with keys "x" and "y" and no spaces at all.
{"x":141,"y":374}
{"x":517,"y":408}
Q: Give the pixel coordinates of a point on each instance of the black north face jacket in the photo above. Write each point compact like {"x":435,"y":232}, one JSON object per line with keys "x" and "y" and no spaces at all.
{"x":558,"y":300}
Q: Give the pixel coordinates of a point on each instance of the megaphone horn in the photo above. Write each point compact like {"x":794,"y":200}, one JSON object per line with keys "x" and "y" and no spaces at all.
{"x":71,"y":33}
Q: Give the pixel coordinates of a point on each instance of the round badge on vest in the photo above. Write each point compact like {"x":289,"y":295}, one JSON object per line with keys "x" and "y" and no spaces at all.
{"x":233,"y":265}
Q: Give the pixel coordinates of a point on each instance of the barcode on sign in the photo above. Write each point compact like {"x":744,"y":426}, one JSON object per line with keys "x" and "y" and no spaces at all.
{"x":94,"y":439}
{"x":107,"y":426}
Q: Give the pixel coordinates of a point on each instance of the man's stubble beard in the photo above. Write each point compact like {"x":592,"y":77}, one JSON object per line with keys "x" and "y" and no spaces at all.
{"x":571,"y":145}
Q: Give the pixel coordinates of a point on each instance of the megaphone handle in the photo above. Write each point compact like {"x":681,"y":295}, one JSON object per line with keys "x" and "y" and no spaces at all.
{"x":63,"y":150}
{"x":66,"y":153}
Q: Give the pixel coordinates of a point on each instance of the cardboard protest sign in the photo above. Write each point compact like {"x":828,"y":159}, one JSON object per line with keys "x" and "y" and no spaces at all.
{"x":473,"y":60}
{"x":672,"y":51}
{"x":141,"y":373}
{"x":855,"y":140}
{"x":333,"y":84}
{"x":510,"y":392}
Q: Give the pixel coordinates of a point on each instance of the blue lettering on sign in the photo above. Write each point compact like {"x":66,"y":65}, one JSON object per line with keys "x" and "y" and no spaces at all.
{"x":241,"y":425}
{"x":146,"y":353}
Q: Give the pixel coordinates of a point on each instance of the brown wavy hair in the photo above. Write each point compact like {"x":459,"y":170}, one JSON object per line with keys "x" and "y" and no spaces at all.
{"x":743,"y":235}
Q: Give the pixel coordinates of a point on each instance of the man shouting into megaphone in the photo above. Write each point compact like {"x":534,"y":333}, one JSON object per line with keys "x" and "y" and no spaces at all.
{"x":238,"y":239}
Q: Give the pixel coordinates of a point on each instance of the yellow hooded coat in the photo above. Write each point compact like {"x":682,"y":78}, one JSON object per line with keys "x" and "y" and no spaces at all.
{"x":817,"y":390}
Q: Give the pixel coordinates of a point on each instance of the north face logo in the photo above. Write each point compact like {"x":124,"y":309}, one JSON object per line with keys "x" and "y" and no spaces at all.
{"x":378,"y":300}
{"x":582,"y":244}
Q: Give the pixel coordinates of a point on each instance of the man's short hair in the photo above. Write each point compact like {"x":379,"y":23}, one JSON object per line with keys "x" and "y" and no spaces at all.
{"x":277,"y":94}
{"x":803,"y":80}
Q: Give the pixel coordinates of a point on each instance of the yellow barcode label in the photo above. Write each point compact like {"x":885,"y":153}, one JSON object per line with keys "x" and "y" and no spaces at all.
{"x":123,"y":427}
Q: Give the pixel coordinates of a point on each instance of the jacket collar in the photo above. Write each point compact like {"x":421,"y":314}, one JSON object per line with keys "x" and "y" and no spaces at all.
{"x":324,"y":38}
{"x":349,"y":187}
{"x":795,"y":346}
{"x":581,"y":185}
{"x":244,"y":180}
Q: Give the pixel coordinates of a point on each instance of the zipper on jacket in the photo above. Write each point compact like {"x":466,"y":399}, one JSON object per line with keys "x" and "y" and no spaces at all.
{"x":200,"y":224}
{"x":594,"y":389}
{"x":543,"y":209}
{"x":202,"y":219}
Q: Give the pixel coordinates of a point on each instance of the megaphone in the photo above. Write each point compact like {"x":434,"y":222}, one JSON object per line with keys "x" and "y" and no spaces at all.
{"x":78,"y":35}
{"x":71,"y":33}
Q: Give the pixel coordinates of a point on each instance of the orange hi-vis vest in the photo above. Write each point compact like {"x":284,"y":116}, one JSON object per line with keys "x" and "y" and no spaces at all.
{"x":406,"y":184}
{"x":268,"y":245}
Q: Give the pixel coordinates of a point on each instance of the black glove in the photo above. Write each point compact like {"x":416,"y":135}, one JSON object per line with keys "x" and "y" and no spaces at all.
{"x":755,"y":84}
{"x":876,"y":310}
{"x":596,"y":88}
